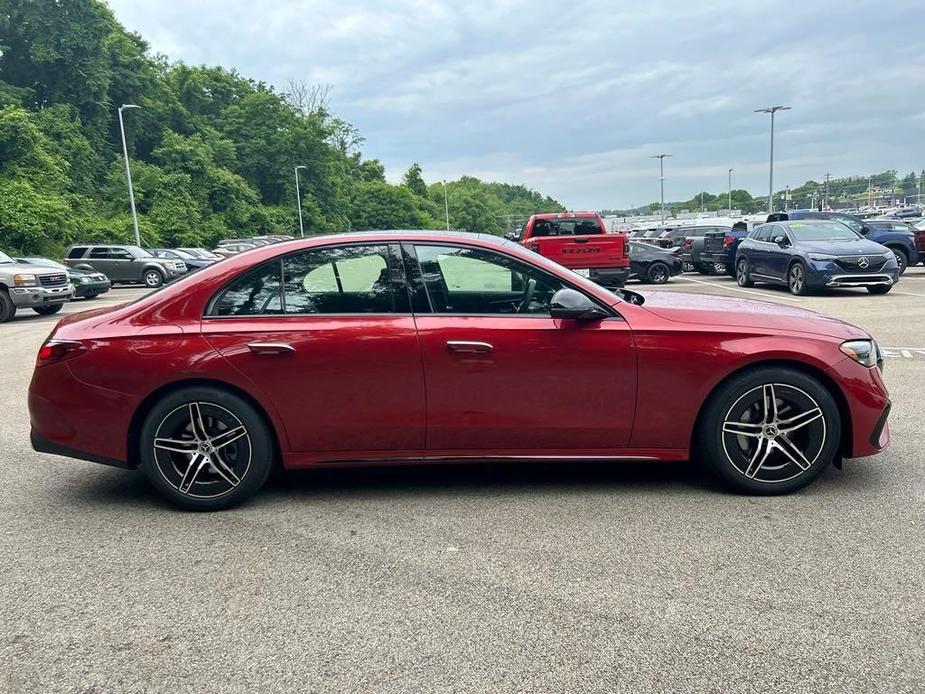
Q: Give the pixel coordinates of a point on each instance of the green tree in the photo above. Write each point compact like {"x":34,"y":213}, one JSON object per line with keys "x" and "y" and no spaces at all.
{"x":413,"y":180}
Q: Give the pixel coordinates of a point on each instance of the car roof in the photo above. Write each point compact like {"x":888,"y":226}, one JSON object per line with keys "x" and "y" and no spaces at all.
{"x":566,"y":215}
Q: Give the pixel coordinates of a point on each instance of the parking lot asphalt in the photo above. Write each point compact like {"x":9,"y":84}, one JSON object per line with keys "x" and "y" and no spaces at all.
{"x":598,"y":577}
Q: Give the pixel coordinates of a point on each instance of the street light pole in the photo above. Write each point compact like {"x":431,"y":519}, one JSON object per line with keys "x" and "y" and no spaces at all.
{"x":661,"y":182}
{"x":446,"y":207}
{"x":730,"y":191}
{"x":128,"y":172}
{"x":772,"y":110}
{"x":298,"y":199}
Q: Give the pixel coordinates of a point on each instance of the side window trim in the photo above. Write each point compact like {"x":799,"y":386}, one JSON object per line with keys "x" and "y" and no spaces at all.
{"x":412,"y":257}
{"x":394,"y":252}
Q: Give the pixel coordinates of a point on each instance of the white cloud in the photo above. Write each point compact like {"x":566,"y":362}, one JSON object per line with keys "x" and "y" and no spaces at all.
{"x":573,"y":98}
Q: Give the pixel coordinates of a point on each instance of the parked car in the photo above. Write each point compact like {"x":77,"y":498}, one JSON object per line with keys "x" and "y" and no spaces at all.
{"x":580,"y":242}
{"x":124,"y":264}
{"x":233,"y":249}
{"x":192,"y":262}
{"x":44,"y":290}
{"x":201,"y":253}
{"x":919,"y":231}
{"x":720,"y":246}
{"x":476,"y":349}
{"x":814,"y":254}
{"x":902,"y":242}
{"x":692,"y":246}
{"x":655,"y":265}
{"x":88,"y":284}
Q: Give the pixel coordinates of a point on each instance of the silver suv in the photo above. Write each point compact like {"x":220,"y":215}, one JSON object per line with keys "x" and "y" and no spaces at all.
{"x":43,"y":289}
{"x":125,"y":264}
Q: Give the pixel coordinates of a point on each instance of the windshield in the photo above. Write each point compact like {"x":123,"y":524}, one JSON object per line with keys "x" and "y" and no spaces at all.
{"x":138,"y":252}
{"x":4,"y":258}
{"x":854,"y":224}
{"x":183,"y":254}
{"x":822,"y":231}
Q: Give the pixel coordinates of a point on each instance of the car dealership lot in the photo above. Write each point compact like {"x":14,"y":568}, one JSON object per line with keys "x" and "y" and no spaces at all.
{"x":631,"y":577}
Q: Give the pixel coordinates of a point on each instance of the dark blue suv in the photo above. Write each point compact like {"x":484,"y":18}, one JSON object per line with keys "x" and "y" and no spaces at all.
{"x":901,"y":242}
{"x":814,"y":254}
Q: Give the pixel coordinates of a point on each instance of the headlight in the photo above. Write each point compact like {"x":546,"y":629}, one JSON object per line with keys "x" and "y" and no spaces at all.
{"x":821,"y":256}
{"x":864,"y":352}
{"x":25,"y":281}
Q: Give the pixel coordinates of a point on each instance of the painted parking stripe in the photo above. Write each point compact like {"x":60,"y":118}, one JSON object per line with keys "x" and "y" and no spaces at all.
{"x":904,"y":352}
{"x":744,"y":291}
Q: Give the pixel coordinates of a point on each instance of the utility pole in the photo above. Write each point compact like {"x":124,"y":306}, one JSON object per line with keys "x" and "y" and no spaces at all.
{"x":787,"y":200}
{"x":772,"y":110}
{"x":825,"y":204}
{"x":446,"y":206}
{"x":661,"y":182}
{"x":730,"y":191}
{"x":870,"y":191}
{"x":918,"y":196}
{"x":128,"y":172}
{"x":702,"y":208}
{"x":298,"y":199}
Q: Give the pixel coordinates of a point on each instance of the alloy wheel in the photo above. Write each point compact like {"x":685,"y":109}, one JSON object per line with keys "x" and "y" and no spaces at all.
{"x":796,"y":279}
{"x":658,"y":274}
{"x":900,"y":261}
{"x":774,"y":433}
{"x":742,"y":273}
{"x":202,"y":450}
{"x":153,"y":279}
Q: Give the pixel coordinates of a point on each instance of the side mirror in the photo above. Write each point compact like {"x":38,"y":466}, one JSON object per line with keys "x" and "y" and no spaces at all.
{"x":567,"y":303}
{"x":512,"y":236}
{"x":865,"y":230}
{"x":781,"y":241}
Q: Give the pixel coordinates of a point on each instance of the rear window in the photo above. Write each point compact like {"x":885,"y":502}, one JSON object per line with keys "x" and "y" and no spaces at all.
{"x":566,"y":227}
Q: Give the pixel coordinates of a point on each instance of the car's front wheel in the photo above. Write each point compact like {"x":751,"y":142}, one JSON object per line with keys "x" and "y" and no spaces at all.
{"x":901,"y":259}
{"x":7,"y":307}
{"x":153,"y":278}
{"x":743,"y":273}
{"x":770,"y":431}
{"x":205,"y":449}
{"x":796,"y":279}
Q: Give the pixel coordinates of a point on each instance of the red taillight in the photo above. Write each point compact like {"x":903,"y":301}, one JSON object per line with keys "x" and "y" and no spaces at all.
{"x":688,"y":243}
{"x":59,"y":350}
{"x":727,"y":241}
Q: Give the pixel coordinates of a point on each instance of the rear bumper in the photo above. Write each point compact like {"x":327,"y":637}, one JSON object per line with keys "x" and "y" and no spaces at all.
{"x":72,"y":418}
{"x":610,"y":277}
{"x":716,"y":259}
{"x":30,"y":297}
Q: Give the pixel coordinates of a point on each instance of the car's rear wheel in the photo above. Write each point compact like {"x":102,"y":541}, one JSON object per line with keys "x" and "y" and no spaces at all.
{"x":796,"y":279}
{"x":205,"y":449}
{"x":48,"y":310}
{"x":7,"y":307}
{"x":880,"y":288}
{"x":658,"y":273}
{"x":153,"y":278}
{"x":743,"y":273}
{"x":770,"y":431}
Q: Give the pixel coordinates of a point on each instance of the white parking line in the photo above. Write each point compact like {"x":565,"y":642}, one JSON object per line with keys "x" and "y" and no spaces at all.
{"x":745,"y":291}
{"x":921,"y":296}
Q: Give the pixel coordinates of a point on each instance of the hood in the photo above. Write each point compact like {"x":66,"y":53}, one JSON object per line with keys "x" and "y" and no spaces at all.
{"x":711,"y":309}
{"x":17,"y":268}
{"x":848,"y":247}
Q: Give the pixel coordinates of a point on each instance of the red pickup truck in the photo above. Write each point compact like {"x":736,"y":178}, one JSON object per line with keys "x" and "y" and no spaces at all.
{"x":580,"y":242}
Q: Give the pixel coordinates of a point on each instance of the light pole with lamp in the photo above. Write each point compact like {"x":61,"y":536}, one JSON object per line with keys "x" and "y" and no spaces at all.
{"x":661,"y":182}
{"x":128,"y":172}
{"x":729,"y":203}
{"x":772,"y":110}
{"x":298,"y":199}
{"x":446,"y":206}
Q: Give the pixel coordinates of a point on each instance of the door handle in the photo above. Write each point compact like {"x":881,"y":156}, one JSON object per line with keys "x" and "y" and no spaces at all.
{"x":468,"y":347}
{"x":269,"y":348}
{"x":581,"y":240}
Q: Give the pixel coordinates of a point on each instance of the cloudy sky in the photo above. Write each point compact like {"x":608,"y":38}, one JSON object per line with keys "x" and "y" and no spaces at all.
{"x":573,"y":97}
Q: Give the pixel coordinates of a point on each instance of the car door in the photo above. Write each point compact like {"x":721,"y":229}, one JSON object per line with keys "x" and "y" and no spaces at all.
{"x":759,"y":256}
{"x":124,"y":267}
{"x":327,"y":334}
{"x":778,"y":256}
{"x":99,"y":259}
{"x":502,"y":376}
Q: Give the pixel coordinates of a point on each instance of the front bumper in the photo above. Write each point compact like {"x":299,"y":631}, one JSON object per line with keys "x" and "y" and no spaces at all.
{"x":868,"y":403}
{"x":31,"y":297}
{"x":824,"y":273}
{"x":84,"y":289}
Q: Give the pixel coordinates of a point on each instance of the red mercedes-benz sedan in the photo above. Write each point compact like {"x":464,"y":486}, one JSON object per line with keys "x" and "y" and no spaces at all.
{"x":385,"y":347}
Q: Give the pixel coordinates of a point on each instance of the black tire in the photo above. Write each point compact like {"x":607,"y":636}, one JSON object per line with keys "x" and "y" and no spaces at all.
{"x":152,"y":278}
{"x":7,"y":307}
{"x":902,"y":260}
{"x":703,"y":269}
{"x":880,"y":288}
{"x":247,"y":457}
{"x":687,"y":267}
{"x":796,"y":279}
{"x":658,"y":273}
{"x":743,"y":273}
{"x":48,"y":310}
{"x":767,"y":462}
